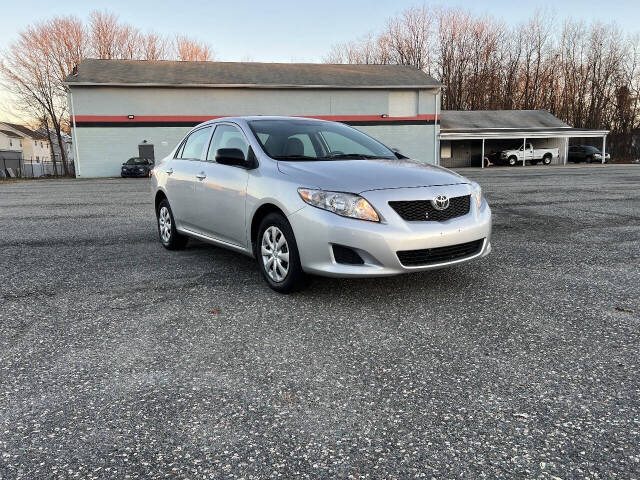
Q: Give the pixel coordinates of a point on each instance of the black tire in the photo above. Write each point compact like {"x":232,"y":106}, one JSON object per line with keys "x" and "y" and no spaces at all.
{"x":295,"y":278}
{"x":513,"y":161}
{"x":169,"y":238}
{"x":546,"y":160}
{"x":589,"y":159}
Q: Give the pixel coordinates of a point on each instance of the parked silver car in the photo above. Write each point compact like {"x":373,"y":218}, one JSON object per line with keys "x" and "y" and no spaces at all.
{"x":309,"y":196}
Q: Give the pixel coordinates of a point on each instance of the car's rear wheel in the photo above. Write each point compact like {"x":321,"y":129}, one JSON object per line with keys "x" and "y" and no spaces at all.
{"x":546,"y":159}
{"x":589,"y":159}
{"x":513,"y":161}
{"x":277,"y":254}
{"x":169,"y":236}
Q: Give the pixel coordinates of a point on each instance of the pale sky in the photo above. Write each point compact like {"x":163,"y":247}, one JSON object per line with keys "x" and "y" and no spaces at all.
{"x":289,"y":30}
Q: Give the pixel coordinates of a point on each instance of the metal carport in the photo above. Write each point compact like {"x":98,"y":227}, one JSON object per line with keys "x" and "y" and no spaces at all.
{"x":481,"y":126}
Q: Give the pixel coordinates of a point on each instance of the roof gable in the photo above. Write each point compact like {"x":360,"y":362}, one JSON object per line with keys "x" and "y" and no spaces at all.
{"x":247,"y":74}
{"x":10,"y":133}
{"x":27,"y":132}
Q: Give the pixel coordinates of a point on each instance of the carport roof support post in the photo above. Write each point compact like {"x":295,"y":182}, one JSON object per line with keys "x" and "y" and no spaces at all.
{"x":604,"y":146}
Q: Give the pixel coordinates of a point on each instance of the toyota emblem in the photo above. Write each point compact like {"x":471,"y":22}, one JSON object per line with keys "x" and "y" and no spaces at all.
{"x":441,"y":202}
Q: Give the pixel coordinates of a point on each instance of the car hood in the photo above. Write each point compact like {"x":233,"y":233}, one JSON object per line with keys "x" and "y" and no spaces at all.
{"x":358,"y":176}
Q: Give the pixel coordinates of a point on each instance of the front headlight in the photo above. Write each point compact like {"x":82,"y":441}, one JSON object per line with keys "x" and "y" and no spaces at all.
{"x":344,"y":204}
{"x":476,"y":193}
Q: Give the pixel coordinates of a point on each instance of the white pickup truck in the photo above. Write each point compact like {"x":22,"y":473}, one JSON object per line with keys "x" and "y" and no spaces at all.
{"x":533,"y":155}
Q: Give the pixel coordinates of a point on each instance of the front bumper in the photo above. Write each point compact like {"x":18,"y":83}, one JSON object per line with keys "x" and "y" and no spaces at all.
{"x":134,"y":173}
{"x":317,"y":230}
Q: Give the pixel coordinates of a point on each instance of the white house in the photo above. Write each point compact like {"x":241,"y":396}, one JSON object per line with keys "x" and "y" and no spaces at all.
{"x":10,"y":141}
{"x":34,"y":145}
{"x":10,"y":150}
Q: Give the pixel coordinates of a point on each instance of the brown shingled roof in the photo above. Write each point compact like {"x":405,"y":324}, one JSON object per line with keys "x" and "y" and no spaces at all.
{"x":248,"y":74}
{"x":10,"y":134}
{"x":453,"y":120}
{"x":26,"y":131}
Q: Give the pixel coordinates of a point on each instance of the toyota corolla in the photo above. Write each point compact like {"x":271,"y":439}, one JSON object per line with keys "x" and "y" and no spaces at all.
{"x":306,"y":196}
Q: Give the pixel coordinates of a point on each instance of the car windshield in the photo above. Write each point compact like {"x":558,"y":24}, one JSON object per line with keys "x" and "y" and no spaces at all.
{"x":137,"y":161}
{"x":309,"y":140}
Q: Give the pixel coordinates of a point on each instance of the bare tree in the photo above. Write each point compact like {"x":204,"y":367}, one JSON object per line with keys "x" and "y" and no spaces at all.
{"x":105,"y":33}
{"x":154,"y":47}
{"x":32,"y":70}
{"x":35,"y":65}
{"x":188,"y":49}
{"x":587,"y":75}
{"x":409,"y":37}
{"x":131,"y":43}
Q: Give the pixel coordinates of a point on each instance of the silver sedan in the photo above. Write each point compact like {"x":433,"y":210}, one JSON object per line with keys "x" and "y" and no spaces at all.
{"x":307,"y":196}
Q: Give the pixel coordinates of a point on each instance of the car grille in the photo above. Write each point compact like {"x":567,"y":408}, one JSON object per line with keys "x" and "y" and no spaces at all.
{"x":423,"y":210}
{"x":428,"y":256}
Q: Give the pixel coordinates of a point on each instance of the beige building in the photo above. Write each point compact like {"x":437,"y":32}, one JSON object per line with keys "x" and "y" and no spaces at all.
{"x":121,"y":106}
{"x":33,"y":145}
{"x":10,"y":141}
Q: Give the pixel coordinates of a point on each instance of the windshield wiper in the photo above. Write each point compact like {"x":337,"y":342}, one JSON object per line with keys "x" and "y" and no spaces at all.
{"x":359,"y":156}
{"x":295,"y":157}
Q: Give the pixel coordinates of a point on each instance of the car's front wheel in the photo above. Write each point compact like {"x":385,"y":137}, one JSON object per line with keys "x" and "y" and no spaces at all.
{"x":277,"y":254}
{"x":169,"y":236}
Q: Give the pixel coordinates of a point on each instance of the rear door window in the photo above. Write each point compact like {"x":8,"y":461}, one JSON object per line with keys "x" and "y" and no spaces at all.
{"x":194,"y":144}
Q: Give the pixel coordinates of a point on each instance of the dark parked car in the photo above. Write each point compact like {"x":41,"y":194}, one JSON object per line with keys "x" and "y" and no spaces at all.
{"x":137,"y":167}
{"x":586,"y":153}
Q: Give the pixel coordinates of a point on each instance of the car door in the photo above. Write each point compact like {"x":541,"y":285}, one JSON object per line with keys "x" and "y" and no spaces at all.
{"x":529,"y":152}
{"x":221,"y":189}
{"x":181,"y":176}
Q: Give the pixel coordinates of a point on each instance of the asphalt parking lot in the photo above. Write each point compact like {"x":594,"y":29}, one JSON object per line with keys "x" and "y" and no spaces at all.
{"x":119,"y":359}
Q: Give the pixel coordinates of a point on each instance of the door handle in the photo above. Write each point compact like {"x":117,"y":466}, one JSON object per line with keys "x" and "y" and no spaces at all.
{"x":169,"y":172}
{"x":201,"y":176}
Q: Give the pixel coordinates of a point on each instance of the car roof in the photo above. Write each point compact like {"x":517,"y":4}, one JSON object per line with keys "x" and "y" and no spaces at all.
{"x":250,"y":118}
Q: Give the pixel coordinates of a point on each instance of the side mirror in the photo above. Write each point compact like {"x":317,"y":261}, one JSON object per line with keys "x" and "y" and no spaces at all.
{"x":231,"y":156}
{"x":235,"y":157}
